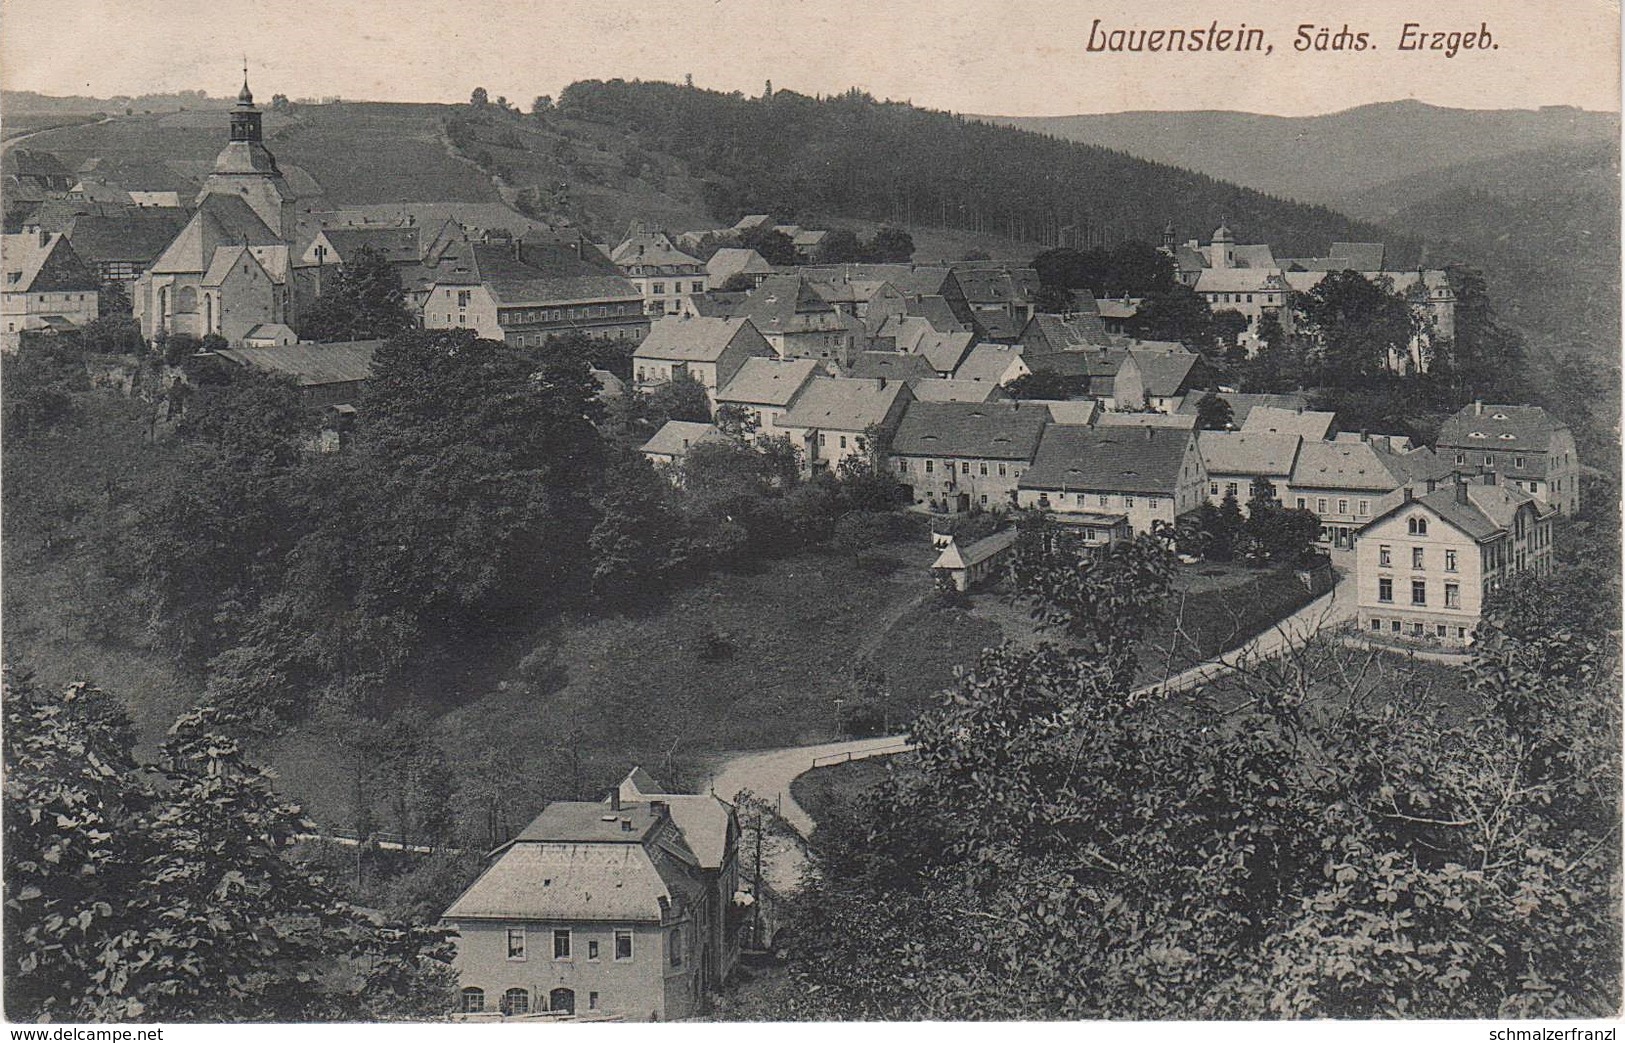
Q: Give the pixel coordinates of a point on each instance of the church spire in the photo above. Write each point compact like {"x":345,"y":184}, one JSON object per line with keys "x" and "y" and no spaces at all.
{"x":245,"y":97}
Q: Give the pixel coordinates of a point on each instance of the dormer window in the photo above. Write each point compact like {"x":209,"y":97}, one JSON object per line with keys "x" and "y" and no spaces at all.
{"x":1499,"y":416}
{"x":1505,"y":437}
{"x":1478,"y":434}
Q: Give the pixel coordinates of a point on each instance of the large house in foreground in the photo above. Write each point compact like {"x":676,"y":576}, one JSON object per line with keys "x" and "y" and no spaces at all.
{"x":624,"y":907}
{"x":1424,"y":566}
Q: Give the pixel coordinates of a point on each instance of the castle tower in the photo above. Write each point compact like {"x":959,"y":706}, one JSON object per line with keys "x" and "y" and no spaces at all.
{"x":1223,"y":251}
{"x":246,"y":169}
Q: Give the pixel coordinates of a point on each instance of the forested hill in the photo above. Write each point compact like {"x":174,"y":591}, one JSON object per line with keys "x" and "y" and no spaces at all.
{"x":850,"y":156}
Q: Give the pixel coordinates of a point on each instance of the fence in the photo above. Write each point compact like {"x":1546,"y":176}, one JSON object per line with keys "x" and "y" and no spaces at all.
{"x":900,"y":746}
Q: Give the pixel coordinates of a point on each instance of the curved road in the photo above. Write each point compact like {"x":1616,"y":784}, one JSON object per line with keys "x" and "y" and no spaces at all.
{"x":768,"y":773}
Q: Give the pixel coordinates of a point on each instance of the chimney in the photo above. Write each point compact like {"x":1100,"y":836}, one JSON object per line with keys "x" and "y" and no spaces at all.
{"x":615,"y":799}
{"x":1461,"y":491}
{"x":1150,"y":433}
{"x":1365,"y":434}
{"x":1478,"y":407}
{"x":882,"y":383}
{"x":626,"y":825}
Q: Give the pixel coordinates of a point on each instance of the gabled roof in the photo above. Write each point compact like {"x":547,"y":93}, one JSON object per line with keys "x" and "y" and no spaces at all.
{"x":768,"y":381}
{"x":1488,"y":511}
{"x":998,"y":325}
{"x":704,"y":818}
{"x":51,"y":266}
{"x":652,"y":250}
{"x":538,"y":270}
{"x":697,"y":339}
{"x":676,"y":437}
{"x":936,"y":389}
{"x":955,"y":557}
{"x":843,"y":404}
{"x":399,"y":245}
{"x":220,"y":220}
{"x":222,"y":263}
{"x":1241,"y":280}
{"x":731,"y":261}
{"x":1500,"y":428}
{"x":983,"y":430}
{"x":1418,"y":465}
{"x":787,"y":304}
{"x":1343,"y":465}
{"x":1238,"y":452}
{"x":997,"y":285}
{"x":1166,"y":373}
{"x":893,"y":365}
{"x":1064,"y":332}
{"x":1070,"y":411}
{"x":989,"y":363}
{"x":1311,"y":424}
{"x":934,"y":309}
{"x":134,"y":234}
{"x":1114,"y":459}
{"x":311,"y":365}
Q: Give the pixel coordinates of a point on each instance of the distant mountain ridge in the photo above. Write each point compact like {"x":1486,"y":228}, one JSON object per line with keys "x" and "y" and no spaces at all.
{"x":1325,"y":159}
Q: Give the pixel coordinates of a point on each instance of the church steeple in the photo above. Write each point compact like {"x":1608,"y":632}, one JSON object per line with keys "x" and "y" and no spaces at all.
{"x":245,"y":118}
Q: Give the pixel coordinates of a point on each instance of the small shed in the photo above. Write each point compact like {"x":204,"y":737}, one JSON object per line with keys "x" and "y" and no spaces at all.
{"x":973,"y":564}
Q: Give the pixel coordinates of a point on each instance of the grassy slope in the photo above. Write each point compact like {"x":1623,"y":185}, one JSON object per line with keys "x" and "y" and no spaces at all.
{"x":821,"y":789}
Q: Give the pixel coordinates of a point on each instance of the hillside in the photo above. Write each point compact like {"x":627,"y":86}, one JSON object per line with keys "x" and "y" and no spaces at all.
{"x":1321,"y":159}
{"x":685,"y":158}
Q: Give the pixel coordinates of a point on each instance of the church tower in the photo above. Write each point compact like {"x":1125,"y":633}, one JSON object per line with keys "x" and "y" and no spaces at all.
{"x":246,"y":169}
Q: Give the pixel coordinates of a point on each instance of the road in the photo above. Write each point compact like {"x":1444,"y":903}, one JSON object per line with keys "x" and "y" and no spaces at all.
{"x":769,"y":773}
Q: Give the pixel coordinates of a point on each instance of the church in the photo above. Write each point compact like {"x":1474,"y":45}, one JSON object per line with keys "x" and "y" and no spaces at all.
{"x":230,"y":269}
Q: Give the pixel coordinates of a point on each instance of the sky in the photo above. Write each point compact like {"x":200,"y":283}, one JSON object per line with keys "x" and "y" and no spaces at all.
{"x":1015,"y":57}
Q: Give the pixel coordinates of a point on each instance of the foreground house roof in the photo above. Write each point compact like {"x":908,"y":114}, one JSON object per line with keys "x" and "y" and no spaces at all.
{"x":768,"y":382}
{"x":843,"y":404}
{"x":986,"y":430}
{"x":1249,"y":453}
{"x":686,"y":339}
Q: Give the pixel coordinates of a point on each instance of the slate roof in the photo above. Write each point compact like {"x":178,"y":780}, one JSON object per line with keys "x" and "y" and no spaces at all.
{"x":1490,"y":510}
{"x":768,"y":382}
{"x":1242,"y":280}
{"x":893,"y":365}
{"x":1238,"y":452}
{"x":1343,"y":465}
{"x":1046,"y":332}
{"x":684,"y":339}
{"x":545,"y":271}
{"x":1253,"y":255}
{"x":1415,"y":466}
{"x":1070,"y":411}
{"x":911,"y":280}
{"x":653,"y":250}
{"x":843,"y":404}
{"x":1166,"y":373}
{"x":1530,"y":427}
{"x":933,"y":308}
{"x":704,"y":818}
{"x":676,"y":437}
{"x":137,"y":234}
{"x":998,"y":325}
{"x":981,"y":430}
{"x":1309,"y":423}
{"x":400,"y":245}
{"x":786,"y":304}
{"x":1115,"y":459}
{"x":997,"y":285}
{"x":311,"y":365}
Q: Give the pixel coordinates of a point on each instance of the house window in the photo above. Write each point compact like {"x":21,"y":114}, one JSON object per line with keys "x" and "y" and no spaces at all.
{"x":516,"y":1001}
{"x":984,"y":498}
{"x":1342,"y":506}
{"x":1302,"y":503}
{"x":1001,"y":470}
{"x":676,"y":946}
{"x":1385,"y":589}
{"x":1128,"y":501}
{"x":1416,"y":630}
{"x":1385,"y":556}
{"x":1418,"y":526}
{"x":660,"y":287}
{"x":1441,"y":630}
{"x":1213,"y":488}
{"x":1394,"y":626}
{"x":964,"y":467}
{"x":822,"y":440}
{"x":1450,"y":561}
{"x":1365,"y":508}
{"x":1419,"y":591}
{"x":1461,"y":632}
{"x":1489,"y":458}
{"x":697,"y":287}
{"x":516,"y":943}
{"x":929,"y":466}
{"x":1104,"y":500}
{"x":1417,"y":558}
{"x":463,"y":298}
{"x":1461,"y":458}
{"x":592,"y":948}
{"x":1376,"y":624}
{"x":473,"y":1000}
{"x":902,"y":466}
{"x":1320,"y":505}
{"x":984,"y":470}
{"x":843,"y":441}
{"x":1230,"y":488}
{"x":1517,"y":461}
{"x":561,"y":944}
{"x":1452,"y":598}
{"x":592,"y":1001}
{"x":623,"y":945}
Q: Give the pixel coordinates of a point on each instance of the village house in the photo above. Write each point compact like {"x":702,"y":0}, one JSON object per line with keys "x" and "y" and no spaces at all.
{"x":1424,"y":566}
{"x":794,"y":318}
{"x":1001,"y":298}
{"x":1046,"y":333}
{"x":624,"y":906}
{"x":893,"y":365}
{"x":956,"y":456}
{"x":121,"y":244}
{"x":935,"y":389}
{"x":764,"y":388}
{"x":710,"y":351}
{"x":996,"y":364}
{"x":1111,"y":375}
{"x":525,"y":289}
{"x":869,"y":299}
{"x":670,"y":444}
{"x":46,"y":287}
{"x":732,"y":262}
{"x":1169,"y":372}
{"x":1533,"y":450}
{"x":1171,"y":421}
{"x":839,"y":418}
{"x":1346,"y":484}
{"x":1148,"y":475}
{"x":663,"y":274}
{"x":943,"y":350}
{"x":1235,"y":459}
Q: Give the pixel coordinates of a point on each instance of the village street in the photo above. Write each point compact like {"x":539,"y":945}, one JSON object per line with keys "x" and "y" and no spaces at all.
{"x":767,"y":774}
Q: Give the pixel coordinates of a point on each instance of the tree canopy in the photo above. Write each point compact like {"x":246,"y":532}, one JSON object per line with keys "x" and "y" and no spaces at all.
{"x":364,"y":302}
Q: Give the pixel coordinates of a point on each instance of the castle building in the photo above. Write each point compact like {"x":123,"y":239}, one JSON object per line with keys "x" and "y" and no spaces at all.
{"x":230,"y":268}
